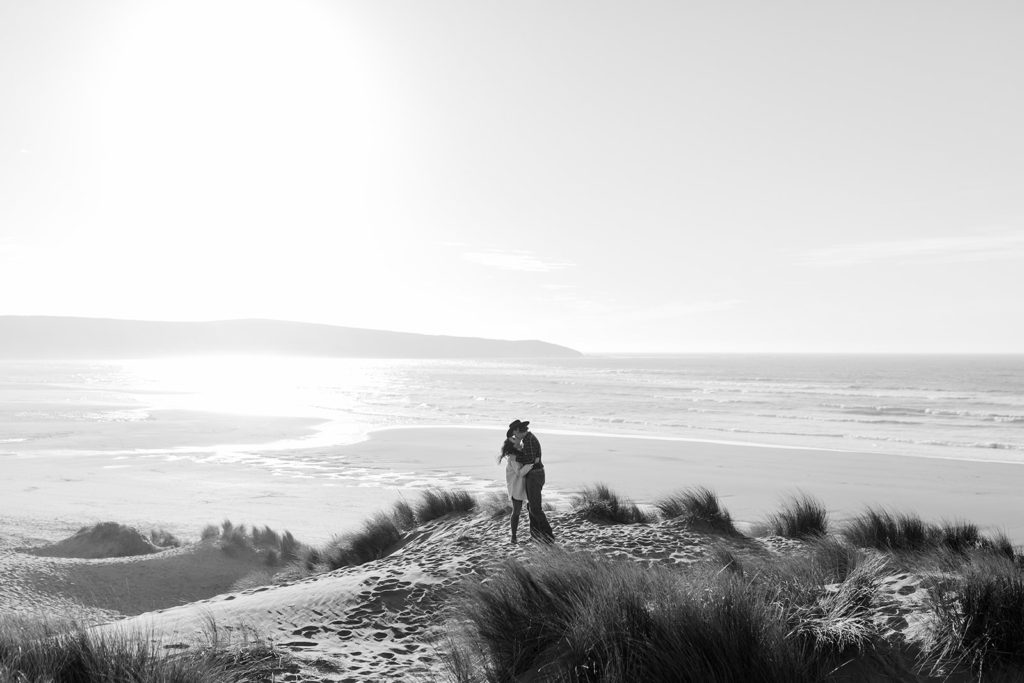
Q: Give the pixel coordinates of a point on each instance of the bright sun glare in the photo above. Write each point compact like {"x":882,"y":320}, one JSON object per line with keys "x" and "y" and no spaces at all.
{"x":248,"y":385}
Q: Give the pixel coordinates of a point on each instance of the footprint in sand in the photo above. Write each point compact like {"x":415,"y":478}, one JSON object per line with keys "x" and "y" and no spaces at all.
{"x":298,"y":643}
{"x":306,"y":631}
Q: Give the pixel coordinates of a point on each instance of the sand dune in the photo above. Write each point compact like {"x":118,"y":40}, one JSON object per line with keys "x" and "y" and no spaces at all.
{"x":384,"y":620}
{"x":387,"y":619}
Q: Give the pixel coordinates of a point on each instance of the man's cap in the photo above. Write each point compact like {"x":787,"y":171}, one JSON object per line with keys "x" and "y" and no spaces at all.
{"x":519,"y":425}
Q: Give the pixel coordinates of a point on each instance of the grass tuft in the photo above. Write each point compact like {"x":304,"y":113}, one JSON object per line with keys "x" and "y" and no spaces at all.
{"x":384,"y":531}
{"x":801,"y":516}
{"x":600,"y":504}
{"x":162,"y":538}
{"x":897,"y":532}
{"x":275,"y":548}
{"x":436,"y":503}
{"x":885,"y":530}
{"x":700,"y":509}
{"x":978,"y":624}
{"x":44,"y":651}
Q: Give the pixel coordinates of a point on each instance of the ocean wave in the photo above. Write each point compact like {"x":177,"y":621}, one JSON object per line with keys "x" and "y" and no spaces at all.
{"x":851,"y":420}
{"x":887,"y":409}
{"x":993,"y":445}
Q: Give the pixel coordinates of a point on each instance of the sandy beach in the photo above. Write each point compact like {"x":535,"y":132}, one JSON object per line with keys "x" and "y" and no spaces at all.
{"x":319,"y":492}
{"x":384,"y":619}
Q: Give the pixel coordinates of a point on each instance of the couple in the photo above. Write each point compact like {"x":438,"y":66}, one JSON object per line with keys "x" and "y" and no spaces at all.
{"x":524,"y":474}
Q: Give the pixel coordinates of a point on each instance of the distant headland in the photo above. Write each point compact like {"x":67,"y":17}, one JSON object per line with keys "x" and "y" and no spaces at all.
{"x":38,"y":337}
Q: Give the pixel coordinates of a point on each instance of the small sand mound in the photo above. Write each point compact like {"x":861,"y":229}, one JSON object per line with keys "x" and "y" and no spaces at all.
{"x":106,"y":539}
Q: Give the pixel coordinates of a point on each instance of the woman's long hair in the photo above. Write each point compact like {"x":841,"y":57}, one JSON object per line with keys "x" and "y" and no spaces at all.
{"x":507,"y":449}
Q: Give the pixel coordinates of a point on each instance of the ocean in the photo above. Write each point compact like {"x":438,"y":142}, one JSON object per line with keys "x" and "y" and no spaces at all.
{"x":960,"y":407}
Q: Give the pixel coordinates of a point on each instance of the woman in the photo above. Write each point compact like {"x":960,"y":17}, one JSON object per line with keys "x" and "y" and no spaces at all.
{"x":514,"y":473}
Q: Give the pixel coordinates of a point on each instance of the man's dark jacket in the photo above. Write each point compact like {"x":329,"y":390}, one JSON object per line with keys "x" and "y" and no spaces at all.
{"x":531,"y":452}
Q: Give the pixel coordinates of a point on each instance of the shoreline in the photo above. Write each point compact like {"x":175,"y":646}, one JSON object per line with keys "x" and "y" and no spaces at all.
{"x":321,"y":491}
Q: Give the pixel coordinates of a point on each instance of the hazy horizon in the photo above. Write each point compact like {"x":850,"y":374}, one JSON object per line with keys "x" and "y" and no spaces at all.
{"x":646,"y":178}
{"x":594,"y":353}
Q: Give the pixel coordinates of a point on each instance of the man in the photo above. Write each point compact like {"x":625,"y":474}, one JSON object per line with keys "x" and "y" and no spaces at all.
{"x":540,"y":529}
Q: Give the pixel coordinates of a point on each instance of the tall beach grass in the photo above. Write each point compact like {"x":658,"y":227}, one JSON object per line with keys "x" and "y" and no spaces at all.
{"x":699,"y":509}
{"x":598,"y":503}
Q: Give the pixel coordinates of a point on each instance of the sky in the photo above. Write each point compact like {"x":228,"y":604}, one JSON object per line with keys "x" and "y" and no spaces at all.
{"x":612,"y":176}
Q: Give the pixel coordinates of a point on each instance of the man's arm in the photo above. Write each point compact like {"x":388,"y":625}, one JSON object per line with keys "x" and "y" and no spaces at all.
{"x":531,"y":446}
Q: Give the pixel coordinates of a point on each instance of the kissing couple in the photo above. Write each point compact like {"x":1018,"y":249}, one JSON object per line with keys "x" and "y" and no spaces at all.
{"x":524,"y":475}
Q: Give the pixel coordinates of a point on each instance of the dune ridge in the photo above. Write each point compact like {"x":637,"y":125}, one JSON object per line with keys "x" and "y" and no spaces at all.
{"x":393,"y":618}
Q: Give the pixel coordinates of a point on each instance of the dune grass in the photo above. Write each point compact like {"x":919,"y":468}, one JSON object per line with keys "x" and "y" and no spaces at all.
{"x":979,"y":619}
{"x":46,"y":651}
{"x":275,"y":548}
{"x":905,"y":532}
{"x":162,"y":538}
{"x":435,"y":503}
{"x":385,"y":530}
{"x":801,"y":516}
{"x":699,"y":509}
{"x":578,"y":617}
{"x":600,"y":504}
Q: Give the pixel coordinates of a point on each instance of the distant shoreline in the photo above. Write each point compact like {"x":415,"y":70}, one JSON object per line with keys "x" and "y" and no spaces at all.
{"x":57,"y":337}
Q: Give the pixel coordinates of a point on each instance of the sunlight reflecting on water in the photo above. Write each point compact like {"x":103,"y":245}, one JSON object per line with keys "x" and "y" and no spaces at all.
{"x":254,"y":385}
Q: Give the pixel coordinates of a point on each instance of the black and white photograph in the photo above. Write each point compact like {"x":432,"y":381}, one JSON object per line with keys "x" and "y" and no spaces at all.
{"x":533,"y":342}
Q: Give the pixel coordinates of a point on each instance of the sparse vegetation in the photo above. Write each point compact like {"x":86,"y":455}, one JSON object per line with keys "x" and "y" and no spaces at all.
{"x":600,"y":504}
{"x":437,"y":503}
{"x":700,"y":509}
{"x":903,"y":532}
{"x":818,"y":608}
{"x":275,"y":548}
{"x":42,"y":651}
{"x":801,"y":516}
{"x":385,"y":530}
{"x":162,"y":538}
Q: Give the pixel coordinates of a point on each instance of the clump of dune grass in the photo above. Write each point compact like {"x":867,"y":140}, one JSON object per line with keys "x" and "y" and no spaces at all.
{"x":574,"y":617}
{"x":47,"y":651}
{"x":162,"y":538}
{"x":700,"y":509}
{"x":842,"y":617}
{"x":384,"y":531}
{"x":403,"y":514}
{"x":885,"y":530}
{"x":801,"y":516}
{"x":978,"y":624}
{"x":435,"y":503}
{"x":600,"y":504}
{"x":373,"y":541}
{"x":235,"y":540}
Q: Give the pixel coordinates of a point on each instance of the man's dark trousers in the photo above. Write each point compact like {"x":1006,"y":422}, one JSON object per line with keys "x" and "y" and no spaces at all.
{"x":540,"y":529}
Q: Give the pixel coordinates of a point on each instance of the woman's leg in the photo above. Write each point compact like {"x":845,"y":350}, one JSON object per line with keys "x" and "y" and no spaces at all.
{"x":517,"y":507}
